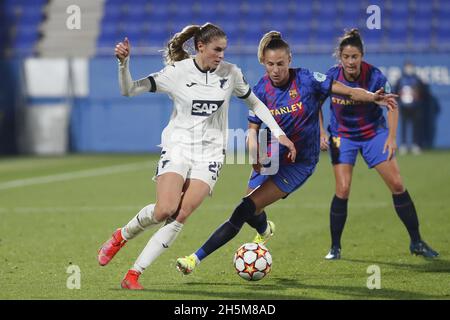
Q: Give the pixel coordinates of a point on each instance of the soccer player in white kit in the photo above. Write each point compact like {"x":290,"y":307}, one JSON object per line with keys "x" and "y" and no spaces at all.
{"x":193,"y":143}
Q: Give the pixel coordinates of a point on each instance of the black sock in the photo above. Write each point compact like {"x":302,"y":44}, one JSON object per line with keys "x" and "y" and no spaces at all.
{"x":407,"y":213}
{"x":338,"y":216}
{"x":227,"y":231}
{"x":259,"y":222}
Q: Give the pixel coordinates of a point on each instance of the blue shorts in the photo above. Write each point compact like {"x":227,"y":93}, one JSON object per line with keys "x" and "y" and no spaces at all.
{"x":289,"y":177}
{"x":344,"y":150}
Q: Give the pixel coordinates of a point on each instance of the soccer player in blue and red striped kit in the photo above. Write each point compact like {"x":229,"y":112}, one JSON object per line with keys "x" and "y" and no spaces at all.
{"x":294,"y":98}
{"x":361,"y":127}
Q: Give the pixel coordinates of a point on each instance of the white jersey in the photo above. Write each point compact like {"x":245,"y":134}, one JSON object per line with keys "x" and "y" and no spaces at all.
{"x":199,"y":121}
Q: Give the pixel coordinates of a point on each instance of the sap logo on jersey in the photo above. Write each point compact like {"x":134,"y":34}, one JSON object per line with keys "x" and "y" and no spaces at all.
{"x":205,"y":108}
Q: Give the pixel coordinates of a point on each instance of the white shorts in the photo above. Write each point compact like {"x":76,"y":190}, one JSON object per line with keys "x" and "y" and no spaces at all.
{"x":206,"y":171}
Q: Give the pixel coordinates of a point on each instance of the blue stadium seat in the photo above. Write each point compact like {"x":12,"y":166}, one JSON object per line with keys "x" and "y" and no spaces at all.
{"x":153,"y":39}
{"x":229,"y":27}
{"x":156,"y":16}
{"x":405,"y":22}
{"x":443,"y":26}
{"x":444,"y":6}
{"x":210,"y":8}
{"x":24,"y":41}
{"x":107,"y":39}
{"x":442,"y":39}
{"x":373,"y":39}
{"x":251,"y":33}
{"x":112,"y":13}
{"x":270,"y":6}
{"x":327,"y":13}
{"x":349,"y":11}
{"x":257,"y":13}
{"x":109,"y":3}
{"x":352,"y":17}
{"x":278,"y":25}
{"x":421,"y":39}
{"x":13,"y":12}
{"x":303,"y":12}
{"x":129,"y":29}
{"x":174,"y":26}
{"x":136,"y":13}
{"x":31,"y":14}
{"x":399,"y":10}
{"x":237,"y":3}
{"x":397,"y":38}
{"x":23,"y":3}
{"x":183,"y":9}
{"x":421,"y":25}
{"x":422,"y":9}
{"x":109,"y":28}
{"x":325,"y":35}
{"x":302,"y":34}
{"x":23,"y":17}
{"x":151,"y":34}
{"x":443,"y":16}
{"x":158,"y":10}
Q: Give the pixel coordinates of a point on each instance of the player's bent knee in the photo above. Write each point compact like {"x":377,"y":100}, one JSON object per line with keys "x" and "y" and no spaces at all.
{"x":162,"y":212}
{"x":397,"y":187}
{"x":244,"y":211}
{"x":343,"y":190}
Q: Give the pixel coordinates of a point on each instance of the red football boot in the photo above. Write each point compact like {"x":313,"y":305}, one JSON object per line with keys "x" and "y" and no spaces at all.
{"x":111,"y":247}
{"x":131,"y":281}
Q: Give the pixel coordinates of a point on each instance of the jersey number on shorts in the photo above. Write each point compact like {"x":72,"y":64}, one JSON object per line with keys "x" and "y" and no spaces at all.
{"x":215,"y":167}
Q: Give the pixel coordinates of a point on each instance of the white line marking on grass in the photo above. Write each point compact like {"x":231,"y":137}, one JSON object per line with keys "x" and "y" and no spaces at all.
{"x":74,"y":175}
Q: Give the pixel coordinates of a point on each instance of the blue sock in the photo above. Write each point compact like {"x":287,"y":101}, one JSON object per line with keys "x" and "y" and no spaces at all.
{"x":228,"y":230}
{"x":338,"y":216}
{"x":201,"y":254}
{"x":259,"y":222}
{"x":404,"y":206}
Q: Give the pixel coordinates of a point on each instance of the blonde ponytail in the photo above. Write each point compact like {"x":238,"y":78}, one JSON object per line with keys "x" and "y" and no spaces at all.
{"x":271,"y":40}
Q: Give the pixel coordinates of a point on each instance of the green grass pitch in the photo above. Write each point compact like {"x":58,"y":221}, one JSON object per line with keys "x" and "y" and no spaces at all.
{"x":56,"y":211}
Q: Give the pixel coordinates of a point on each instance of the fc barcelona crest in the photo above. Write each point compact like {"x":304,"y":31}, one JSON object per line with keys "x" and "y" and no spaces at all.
{"x":293,"y":93}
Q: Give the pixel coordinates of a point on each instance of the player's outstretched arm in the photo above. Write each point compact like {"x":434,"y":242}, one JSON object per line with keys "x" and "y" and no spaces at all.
{"x":128,"y":87}
{"x":323,"y":133}
{"x":263,"y":113}
{"x":358,"y":94}
{"x":256,"y":159}
{"x":390,"y":144}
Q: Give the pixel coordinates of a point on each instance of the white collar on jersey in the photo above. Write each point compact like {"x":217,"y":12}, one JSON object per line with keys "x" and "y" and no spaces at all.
{"x":200,"y":69}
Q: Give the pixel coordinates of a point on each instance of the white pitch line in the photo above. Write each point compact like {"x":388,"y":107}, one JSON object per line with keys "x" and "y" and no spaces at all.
{"x":74,"y":175}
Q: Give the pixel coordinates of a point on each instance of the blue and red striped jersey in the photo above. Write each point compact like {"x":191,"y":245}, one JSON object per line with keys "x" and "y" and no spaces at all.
{"x":354,"y":119}
{"x":295,"y":107}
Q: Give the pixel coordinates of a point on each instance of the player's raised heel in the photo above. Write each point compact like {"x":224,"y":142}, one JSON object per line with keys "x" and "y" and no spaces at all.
{"x":186,"y":265}
{"x":420,"y":248}
{"x":259,"y":238}
{"x":131,"y":281}
{"x":334,"y":254}
{"x":110,"y":248}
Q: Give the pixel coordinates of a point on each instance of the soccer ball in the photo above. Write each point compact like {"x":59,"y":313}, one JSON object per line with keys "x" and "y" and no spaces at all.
{"x":252,"y":261}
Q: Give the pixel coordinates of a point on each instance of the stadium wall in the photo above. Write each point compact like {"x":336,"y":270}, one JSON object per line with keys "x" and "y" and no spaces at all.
{"x":104,"y":121}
